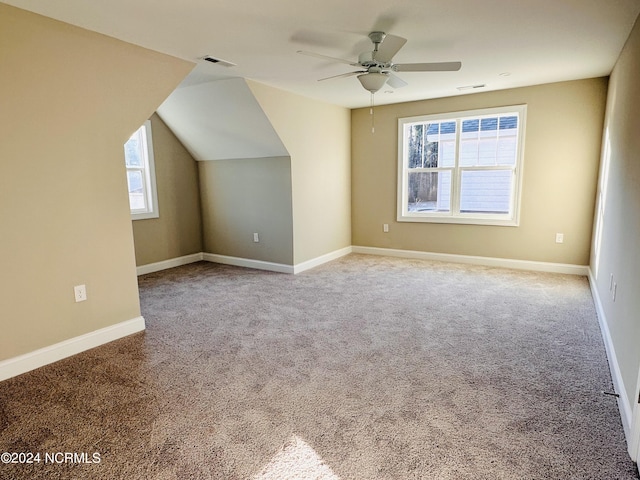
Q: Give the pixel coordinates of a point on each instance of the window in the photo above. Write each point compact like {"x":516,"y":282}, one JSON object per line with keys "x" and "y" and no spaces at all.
{"x":141,"y":177}
{"x":462,"y":167}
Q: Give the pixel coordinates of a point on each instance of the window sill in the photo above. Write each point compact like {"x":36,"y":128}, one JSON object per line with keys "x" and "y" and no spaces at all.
{"x":144,"y":216}
{"x":461,"y":220}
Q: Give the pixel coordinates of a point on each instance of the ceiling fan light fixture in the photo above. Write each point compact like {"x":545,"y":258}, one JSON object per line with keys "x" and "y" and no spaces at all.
{"x":373,"y":81}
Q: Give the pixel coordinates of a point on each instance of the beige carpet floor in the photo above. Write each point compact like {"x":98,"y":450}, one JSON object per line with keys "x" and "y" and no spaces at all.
{"x":363,"y":368}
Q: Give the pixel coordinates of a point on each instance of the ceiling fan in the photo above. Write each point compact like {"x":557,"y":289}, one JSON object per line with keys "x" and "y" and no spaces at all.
{"x":377,"y":67}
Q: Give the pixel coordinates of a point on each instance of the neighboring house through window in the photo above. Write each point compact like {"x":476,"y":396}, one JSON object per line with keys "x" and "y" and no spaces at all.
{"x":462,"y":167}
{"x":141,"y":177}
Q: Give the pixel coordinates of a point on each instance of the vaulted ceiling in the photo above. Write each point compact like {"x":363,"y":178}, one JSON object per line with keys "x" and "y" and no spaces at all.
{"x":501,"y":43}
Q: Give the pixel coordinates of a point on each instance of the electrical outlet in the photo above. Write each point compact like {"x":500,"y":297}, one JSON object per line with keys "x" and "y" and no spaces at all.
{"x":385,"y":227}
{"x":80,"y":292}
{"x":559,"y":237}
{"x":256,"y":238}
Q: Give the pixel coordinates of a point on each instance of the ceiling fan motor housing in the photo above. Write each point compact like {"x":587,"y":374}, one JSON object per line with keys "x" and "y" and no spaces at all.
{"x":367,"y":60}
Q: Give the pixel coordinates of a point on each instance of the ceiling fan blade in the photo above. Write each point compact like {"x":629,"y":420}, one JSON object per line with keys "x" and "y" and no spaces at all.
{"x":350,"y":74}
{"x":389,"y":47}
{"x":427,"y":67}
{"x":396,"y":82}
{"x":325,"y":57}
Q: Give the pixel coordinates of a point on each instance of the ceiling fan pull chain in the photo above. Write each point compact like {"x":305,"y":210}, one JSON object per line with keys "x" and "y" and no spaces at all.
{"x":373,"y":127}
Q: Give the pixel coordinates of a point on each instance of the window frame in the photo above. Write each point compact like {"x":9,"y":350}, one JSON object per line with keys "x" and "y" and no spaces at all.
{"x":149,"y":177}
{"x":454,"y":215}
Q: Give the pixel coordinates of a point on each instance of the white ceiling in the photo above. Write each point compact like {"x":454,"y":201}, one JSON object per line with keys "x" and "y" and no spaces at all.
{"x":534,"y":41}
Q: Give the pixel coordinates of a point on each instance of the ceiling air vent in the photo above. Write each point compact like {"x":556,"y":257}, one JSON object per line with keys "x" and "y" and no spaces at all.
{"x":471,"y":87}
{"x":218,"y":61}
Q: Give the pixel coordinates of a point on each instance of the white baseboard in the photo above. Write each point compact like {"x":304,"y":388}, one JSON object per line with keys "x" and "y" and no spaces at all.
{"x":248,"y":263}
{"x":242,"y":262}
{"x":474,"y":260}
{"x":44,"y":356}
{"x":171,"y":263}
{"x":276,"y":267}
{"x":624,"y":406}
{"x":634,"y":444}
{"x":616,"y":376}
{"x":314,"y":262}
{"x":391,"y":252}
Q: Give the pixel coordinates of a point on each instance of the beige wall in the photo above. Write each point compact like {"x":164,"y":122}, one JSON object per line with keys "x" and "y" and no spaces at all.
{"x":564,"y":125}
{"x":619,"y":252}
{"x":69,"y":100}
{"x":178,"y":230}
{"x":241,"y":197}
{"x":316,"y":135}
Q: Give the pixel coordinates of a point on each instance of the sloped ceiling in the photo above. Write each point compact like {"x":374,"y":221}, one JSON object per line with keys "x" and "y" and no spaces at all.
{"x":221,"y":120}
